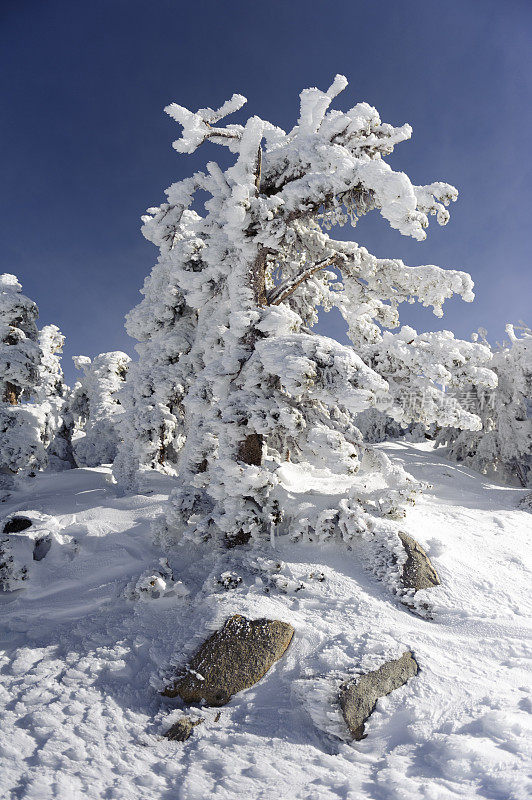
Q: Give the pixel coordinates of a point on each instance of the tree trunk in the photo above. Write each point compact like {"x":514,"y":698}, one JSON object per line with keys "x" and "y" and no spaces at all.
{"x":250,"y":448}
{"x":11,"y":393}
{"x":258,"y":277}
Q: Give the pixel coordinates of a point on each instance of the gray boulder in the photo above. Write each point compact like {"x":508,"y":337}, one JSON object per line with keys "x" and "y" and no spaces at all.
{"x":232,"y":659}
{"x":418,"y":572}
{"x":358,"y":697}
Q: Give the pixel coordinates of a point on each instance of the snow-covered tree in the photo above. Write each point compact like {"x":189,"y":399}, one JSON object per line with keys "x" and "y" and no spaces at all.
{"x":377,"y":426}
{"x":19,"y":350}
{"x":152,"y":426}
{"x":264,"y":405}
{"x":21,"y":447}
{"x":52,"y":397}
{"x":95,"y":407}
{"x":503,"y":446}
{"x":34,"y":420}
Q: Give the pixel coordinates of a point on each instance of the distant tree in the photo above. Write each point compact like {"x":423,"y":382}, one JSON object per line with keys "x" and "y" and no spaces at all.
{"x":231,"y":374}
{"x":52,"y":397}
{"x":416,"y":367}
{"x":95,"y":407}
{"x":503,"y":447}
{"x":377,"y":426}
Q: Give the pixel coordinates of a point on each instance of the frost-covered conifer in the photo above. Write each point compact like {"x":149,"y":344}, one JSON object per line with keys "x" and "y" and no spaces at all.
{"x":265,"y":408}
{"x":52,"y":397}
{"x":152,"y":426}
{"x":35,"y":425}
{"x":503,"y":446}
{"x":21,"y":447}
{"x":19,"y":351}
{"x":96,"y":407}
{"x":376,"y":426}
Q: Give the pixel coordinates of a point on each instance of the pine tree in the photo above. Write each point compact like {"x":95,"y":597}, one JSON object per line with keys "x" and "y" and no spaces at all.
{"x":152,"y":426}
{"x":52,"y":396}
{"x":19,"y":350}
{"x":21,"y":446}
{"x":376,"y":426}
{"x":503,"y":447}
{"x":95,"y":407}
{"x":264,"y":404}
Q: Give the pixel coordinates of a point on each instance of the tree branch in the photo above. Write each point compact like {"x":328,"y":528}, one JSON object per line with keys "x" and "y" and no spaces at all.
{"x":287,"y":287}
{"x":222,"y":133}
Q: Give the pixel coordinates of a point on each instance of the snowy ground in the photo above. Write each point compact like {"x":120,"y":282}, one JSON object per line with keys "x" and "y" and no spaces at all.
{"x":81,"y":661}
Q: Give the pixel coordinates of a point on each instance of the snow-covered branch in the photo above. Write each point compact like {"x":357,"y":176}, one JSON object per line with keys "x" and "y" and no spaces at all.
{"x":281,"y":292}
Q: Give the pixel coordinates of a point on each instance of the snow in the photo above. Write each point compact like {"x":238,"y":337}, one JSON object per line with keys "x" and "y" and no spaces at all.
{"x":82,"y":660}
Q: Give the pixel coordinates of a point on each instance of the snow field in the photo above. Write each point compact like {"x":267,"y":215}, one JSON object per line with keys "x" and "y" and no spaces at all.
{"x":81,"y":662}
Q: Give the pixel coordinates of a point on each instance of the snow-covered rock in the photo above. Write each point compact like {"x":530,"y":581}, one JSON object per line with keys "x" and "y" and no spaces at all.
{"x":234,"y":658}
{"x":359,"y":696}
{"x":21,"y":547}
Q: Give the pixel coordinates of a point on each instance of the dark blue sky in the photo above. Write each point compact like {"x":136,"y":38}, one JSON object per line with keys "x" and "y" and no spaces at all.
{"x":86,"y":147}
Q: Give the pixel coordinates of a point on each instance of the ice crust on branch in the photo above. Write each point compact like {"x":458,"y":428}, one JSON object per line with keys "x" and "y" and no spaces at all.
{"x":233,"y":390}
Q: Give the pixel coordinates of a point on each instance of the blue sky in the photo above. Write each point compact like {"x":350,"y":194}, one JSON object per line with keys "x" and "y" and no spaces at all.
{"x":86,"y":147}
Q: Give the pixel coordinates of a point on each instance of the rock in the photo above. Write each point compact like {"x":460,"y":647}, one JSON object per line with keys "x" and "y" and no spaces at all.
{"x":418,"y":572}
{"x":41,"y":547}
{"x":17,"y":524}
{"x":232,"y":659}
{"x":25,"y":543}
{"x":16,"y":554}
{"x":358,"y":697}
{"x":182,"y":729}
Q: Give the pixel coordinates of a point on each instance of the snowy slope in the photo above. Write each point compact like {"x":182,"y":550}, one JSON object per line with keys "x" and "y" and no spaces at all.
{"x":82,"y":661}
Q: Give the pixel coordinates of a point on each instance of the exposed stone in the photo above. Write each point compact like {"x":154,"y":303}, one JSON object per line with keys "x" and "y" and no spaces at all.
{"x":358,"y":697}
{"x":17,"y":524}
{"x":418,"y":572}
{"x":232,"y":659}
{"x":182,"y":729}
{"x":16,"y":553}
{"x":41,"y":547}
